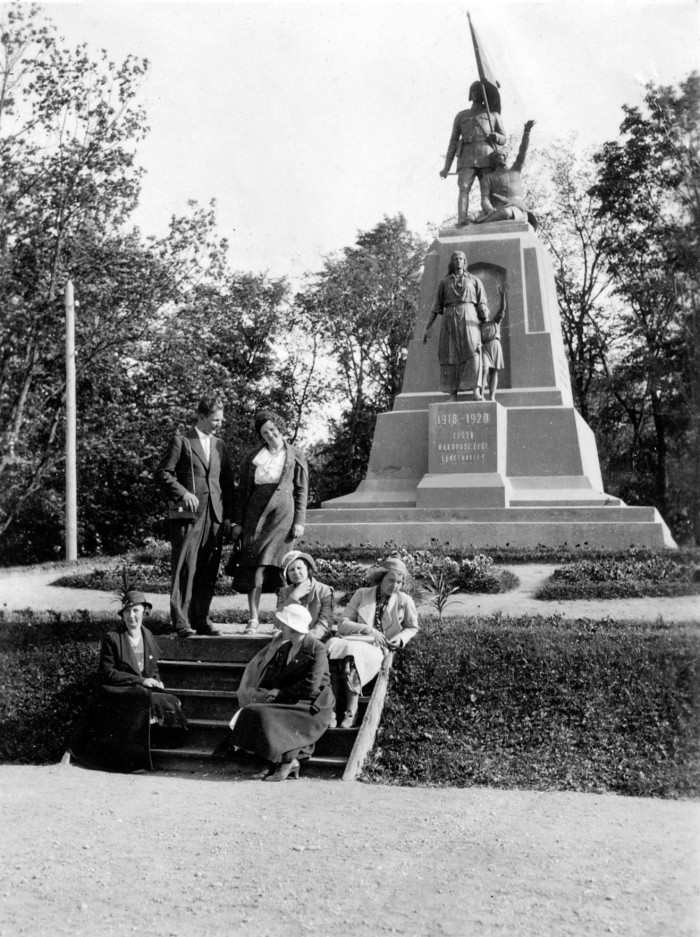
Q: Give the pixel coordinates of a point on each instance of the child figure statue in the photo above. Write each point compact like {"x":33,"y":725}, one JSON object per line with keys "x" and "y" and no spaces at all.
{"x":491,"y":350}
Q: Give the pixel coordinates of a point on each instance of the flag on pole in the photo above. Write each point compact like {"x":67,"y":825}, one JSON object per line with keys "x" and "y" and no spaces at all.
{"x":486,"y":72}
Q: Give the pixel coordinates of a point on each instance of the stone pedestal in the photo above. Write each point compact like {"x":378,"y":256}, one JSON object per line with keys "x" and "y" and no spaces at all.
{"x":466,"y":456}
{"x":536,"y":477}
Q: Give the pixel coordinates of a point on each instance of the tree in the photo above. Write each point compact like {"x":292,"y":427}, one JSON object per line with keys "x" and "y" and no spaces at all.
{"x":575,"y":237}
{"x":649,"y":193}
{"x":66,"y":173}
{"x":159,"y":322}
{"x":364,"y":304}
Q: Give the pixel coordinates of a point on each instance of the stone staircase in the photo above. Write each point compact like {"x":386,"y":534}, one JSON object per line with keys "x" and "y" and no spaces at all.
{"x":204,"y":673}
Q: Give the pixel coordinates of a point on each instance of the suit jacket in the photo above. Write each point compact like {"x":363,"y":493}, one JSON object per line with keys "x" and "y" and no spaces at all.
{"x":318,"y":602}
{"x":303,"y":678}
{"x":174,"y":473}
{"x":400,"y":619}
{"x":118,"y":666}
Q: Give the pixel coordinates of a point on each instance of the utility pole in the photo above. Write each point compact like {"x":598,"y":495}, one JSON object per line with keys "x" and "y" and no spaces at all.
{"x":71,"y":530}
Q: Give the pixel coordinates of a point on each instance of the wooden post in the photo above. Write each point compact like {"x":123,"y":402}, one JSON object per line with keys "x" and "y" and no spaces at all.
{"x":71,"y":528}
{"x":370,"y":723}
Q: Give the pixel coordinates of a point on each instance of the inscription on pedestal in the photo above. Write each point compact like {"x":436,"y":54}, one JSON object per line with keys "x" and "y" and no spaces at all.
{"x":463,"y":438}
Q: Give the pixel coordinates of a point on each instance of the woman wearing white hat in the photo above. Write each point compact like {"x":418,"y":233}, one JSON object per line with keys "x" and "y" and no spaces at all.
{"x":285,"y":697}
{"x":377,"y":618}
{"x":299,"y":571}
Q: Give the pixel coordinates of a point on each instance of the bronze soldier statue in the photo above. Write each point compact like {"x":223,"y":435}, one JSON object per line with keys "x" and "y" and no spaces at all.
{"x":476,"y":133}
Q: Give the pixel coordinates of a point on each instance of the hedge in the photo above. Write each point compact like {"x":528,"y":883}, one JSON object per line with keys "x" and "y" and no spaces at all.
{"x":547,"y":704}
{"x":528,"y":702}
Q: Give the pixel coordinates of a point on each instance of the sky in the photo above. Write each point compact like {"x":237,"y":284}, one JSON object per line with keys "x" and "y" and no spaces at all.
{"x":308,"y":122}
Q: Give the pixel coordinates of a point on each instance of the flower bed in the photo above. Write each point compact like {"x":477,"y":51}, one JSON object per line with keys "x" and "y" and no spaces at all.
{"x":151,"y":573}
{"x":661,"y":575}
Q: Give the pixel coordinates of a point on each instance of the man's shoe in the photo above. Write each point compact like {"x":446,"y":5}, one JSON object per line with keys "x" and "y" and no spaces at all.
{"x":185,"y":633}
{"x":209,"y":630}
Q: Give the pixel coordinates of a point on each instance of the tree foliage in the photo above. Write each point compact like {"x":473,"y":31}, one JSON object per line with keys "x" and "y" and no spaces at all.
{"x":159,"y":320}
{"x":649,"y":193}
{"x":364,"y":304}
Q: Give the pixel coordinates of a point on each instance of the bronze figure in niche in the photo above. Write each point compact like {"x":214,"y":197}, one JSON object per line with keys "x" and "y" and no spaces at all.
{"x":461,"y":301}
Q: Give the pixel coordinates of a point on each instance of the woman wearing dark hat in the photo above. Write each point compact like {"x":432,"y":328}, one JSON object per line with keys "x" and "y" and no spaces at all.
{"x":378,"y":617}
{"x":114,"y":732}
{"x":299,"y":571}
{"x":285,"y":697}
{"x":271,"y":511}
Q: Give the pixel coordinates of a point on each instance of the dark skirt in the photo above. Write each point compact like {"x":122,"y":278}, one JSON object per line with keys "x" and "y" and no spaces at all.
{"x":264,"y":541}
{"x":281,"y":732}
{"x":114,"y":731}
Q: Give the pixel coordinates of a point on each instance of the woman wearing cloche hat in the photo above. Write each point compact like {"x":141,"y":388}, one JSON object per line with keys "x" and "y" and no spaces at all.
{"x":285,"y":697}
{"x":302,"y":588}
{"x":114,"y":731}
{"x":378,"y":618}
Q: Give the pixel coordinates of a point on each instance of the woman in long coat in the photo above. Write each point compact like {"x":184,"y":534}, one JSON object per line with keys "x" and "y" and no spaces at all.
{"x":114,"y":731}
{"x":461,"y":302}
{"x":377,"y":619}
{"x":270,"y":512}
{"x":285,"y":697}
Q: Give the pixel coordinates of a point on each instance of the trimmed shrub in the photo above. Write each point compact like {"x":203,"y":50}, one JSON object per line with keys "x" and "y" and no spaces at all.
{"x":661,"y":575}
{"x":545,"y":704}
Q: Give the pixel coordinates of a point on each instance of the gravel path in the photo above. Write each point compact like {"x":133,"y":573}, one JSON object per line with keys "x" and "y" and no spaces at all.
{"x":86,"y":853}
{"x":30,"y":587}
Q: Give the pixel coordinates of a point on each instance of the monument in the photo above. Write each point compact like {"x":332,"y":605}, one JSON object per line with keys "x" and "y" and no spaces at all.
{"x":448,"y":466}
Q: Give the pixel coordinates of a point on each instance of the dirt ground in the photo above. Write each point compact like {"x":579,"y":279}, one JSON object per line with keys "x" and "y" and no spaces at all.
{"x":87,"y":853}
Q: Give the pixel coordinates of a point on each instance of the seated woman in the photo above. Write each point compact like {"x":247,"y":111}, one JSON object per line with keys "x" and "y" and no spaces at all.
{"x":113,"y":733}
{"x":377,"y":619}
{"x":285,"y":697}
{"x":302,"y":588}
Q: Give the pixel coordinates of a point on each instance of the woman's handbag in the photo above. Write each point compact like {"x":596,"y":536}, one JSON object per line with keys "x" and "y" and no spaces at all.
{"x":177,"y":510}
{"x":234,"y":560}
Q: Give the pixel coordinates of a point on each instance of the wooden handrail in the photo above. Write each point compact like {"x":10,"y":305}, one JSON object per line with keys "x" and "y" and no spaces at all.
{"x":368,"y":730}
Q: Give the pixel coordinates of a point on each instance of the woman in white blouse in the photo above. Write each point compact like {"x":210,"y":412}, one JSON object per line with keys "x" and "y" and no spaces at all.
{"x":270,"y":512}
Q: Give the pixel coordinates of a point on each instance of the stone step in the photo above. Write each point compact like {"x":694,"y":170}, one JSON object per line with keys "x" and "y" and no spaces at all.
{"x":232,"y":649}
{"x":575,"y":532}
{"x":200,"y":675}
{"x":202,"y":762}
{"x":207,"y":704}
{"x":530,"y":513}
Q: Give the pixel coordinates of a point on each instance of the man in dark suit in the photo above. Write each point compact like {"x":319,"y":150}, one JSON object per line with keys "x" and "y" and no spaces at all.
{"x":196,"y":471}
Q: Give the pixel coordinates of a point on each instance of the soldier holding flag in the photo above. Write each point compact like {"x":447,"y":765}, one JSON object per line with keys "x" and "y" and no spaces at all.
{"x":476,"y":133}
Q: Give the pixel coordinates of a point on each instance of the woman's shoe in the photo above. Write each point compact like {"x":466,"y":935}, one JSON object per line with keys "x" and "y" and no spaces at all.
{"x":252,"y":626}
{"x":352,"y":701}
{"x":288,"y":769}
